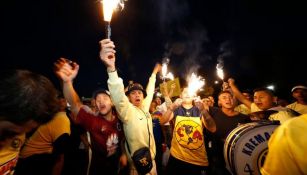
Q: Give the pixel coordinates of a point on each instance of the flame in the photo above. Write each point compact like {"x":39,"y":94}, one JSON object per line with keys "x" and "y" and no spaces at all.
{"x":164,"y":70}
{"x":170,"y":76}
{"x":219,"y":71}
{"x":109,"y":6}
{"x":195,"y":83}
{"x":166,"y":75}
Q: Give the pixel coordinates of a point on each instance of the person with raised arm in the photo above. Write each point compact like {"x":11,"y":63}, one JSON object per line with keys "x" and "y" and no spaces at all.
{"x":132,"y":106}
{"x":264,"y":105}
{"x":103,"y":124}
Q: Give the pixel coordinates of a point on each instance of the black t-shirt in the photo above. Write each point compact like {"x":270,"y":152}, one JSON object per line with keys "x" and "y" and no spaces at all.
{"x":224,"y":123}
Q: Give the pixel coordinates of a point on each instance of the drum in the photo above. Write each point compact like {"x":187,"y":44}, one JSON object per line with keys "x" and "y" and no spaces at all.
{"x":246,"y":147}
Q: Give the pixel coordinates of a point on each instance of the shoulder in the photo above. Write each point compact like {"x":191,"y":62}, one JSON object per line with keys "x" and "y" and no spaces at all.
{"x":214,"y":109}
{"x":243,"y":118}
{"x":59,"y":117}
{"x":291,"y":105}
{"x":254,"y":108}
{"x":293,"y":132}
{"x":196,"y":111}
{"x":299,"y":122}
{"x":86,"y":111}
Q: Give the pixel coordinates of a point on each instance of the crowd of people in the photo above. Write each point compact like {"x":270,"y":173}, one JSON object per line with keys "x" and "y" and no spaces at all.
{"x":183,"y":135}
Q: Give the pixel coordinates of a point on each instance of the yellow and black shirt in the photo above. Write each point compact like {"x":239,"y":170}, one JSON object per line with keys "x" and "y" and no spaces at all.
{"x":188,"y":143}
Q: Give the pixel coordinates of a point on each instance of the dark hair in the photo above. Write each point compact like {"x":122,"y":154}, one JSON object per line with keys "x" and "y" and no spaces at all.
{"x":223,"y":92}
{"x":246,"y":91}
{"x":268,"y":91}
{"x":26,"y":96}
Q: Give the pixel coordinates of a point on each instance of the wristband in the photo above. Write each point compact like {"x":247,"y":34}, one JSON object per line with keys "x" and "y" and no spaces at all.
{"x":109,"y":71}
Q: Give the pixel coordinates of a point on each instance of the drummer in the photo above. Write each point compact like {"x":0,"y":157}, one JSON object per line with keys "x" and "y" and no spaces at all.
{"x":264,"y":100}
{"x":226,"y":119}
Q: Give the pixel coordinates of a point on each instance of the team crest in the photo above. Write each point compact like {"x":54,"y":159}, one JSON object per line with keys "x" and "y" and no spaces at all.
{"x":189,"y":135}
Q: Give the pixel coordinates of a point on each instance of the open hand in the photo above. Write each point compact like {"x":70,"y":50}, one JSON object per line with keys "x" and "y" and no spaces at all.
{"x":66,"y":69}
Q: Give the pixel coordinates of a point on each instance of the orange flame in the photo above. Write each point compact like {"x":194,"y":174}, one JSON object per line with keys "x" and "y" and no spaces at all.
{"x":164,"y":69}
{"x":165,"y":74}
{"x":195,"y":83}
{"x":170,"y":76}
{"x":108,"y":7}
{"x":219,"y":71}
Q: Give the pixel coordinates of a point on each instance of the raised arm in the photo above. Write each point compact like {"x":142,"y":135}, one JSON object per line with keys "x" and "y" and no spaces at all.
{"x":115,"y":83}
{"x":151,"y":86}
{"x":237,"y":93}
{"x":206,"y":118}
{"x":152,"y":81}
{"x":169,"y":114}
{"x":67,"y":70}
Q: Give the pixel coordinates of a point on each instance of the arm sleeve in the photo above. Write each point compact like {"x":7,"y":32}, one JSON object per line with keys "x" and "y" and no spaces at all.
{"x":118,"y":96}
{"x":150,"y":91}
{"x":59,"y":125}
{"x":85,"y":117}
{"x":61,"y":144}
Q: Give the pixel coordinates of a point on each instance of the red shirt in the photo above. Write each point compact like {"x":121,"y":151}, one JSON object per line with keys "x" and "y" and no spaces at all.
{"x":105,"y":135}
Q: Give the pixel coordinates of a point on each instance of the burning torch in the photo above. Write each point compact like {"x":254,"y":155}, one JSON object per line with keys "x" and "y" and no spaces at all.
{"x":195,"y":83}
{"x":108,"y":7}
{"x":220,"y":72}
{"x":166,"y":75}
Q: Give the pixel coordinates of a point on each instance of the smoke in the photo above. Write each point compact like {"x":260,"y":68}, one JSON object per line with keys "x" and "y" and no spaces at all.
{"x":170,"y":13}
{"x":225,"y":51}
{"x":187,"y":43}
{"x":188,"y":50}
{"x":220,"y":62}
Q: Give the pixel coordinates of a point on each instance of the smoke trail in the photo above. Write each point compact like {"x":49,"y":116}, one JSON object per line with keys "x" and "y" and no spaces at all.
{"x":225,"y":49}
{"x":189,"y":50}
{"x":220,"y":62}
{"x":170,"y":13}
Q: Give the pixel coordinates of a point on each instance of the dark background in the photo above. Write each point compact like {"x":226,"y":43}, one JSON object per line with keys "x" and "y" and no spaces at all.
{"x":260,"y":42}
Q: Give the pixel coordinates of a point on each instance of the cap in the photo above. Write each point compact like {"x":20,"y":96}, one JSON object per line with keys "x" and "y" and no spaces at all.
{"x":135,"y":86}
{"x":100,"y":91}
{"x":298,"y":87}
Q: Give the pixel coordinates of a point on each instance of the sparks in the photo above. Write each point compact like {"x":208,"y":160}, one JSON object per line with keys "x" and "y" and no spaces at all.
{"x":170,"y":76}
{"x":166,"y":75}
{"x":195,"y":83}
{"x":108,"y":7}
{"x":164,"y":70}
{"x":220,"y":72}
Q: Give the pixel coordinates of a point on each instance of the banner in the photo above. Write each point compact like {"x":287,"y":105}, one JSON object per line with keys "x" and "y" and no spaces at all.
{"x":175,"y":84}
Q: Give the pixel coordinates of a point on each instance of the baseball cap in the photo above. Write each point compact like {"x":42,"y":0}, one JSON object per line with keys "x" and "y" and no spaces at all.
{"x":298,"y":87}
{"x":100,"y":91}
{"x":135,"y":86}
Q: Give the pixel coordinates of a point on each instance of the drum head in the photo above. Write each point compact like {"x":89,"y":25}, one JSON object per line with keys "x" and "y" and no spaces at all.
{"x":246,"y":147}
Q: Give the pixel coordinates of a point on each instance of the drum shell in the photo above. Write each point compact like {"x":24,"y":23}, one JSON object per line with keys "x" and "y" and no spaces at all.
{"x":246,"y":147}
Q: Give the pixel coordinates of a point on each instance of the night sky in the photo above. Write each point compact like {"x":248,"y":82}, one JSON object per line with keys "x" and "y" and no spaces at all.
{"x":260,"y":42}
